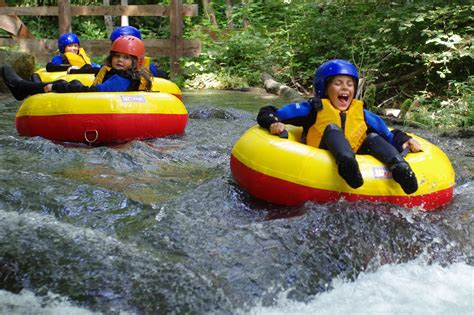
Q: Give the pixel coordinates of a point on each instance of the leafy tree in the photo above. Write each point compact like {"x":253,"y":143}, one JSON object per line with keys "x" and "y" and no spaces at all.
{"x":405,"y":49}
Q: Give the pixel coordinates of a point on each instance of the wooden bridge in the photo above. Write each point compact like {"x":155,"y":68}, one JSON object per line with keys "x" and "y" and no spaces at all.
{"x":174,"y":47}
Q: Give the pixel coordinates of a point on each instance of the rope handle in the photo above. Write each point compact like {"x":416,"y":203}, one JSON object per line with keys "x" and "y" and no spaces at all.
{"x":87,"y":138}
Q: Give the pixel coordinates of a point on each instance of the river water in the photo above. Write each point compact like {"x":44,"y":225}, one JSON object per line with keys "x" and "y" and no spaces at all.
{"x":159,"y":227}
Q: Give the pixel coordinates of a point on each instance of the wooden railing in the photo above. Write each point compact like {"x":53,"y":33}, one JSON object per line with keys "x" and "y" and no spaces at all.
{"x":174,"y":47}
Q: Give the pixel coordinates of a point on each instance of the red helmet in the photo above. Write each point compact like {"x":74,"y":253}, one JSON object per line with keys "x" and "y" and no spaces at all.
{"x":130,"y":45}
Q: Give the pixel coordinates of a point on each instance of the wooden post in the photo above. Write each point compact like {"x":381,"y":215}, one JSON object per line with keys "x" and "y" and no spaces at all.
{"x":176,"y":36}
{"x":108,"y":21}
{"x":64,"y":13}
{"x":124,"y":18}
{"x":175,"y":47}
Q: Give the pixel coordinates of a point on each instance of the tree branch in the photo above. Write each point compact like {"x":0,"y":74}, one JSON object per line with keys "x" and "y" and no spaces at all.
{"x":401,"y":79}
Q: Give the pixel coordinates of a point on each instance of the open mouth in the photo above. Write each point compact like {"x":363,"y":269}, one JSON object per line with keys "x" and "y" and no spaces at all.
{"x":343,"y":98}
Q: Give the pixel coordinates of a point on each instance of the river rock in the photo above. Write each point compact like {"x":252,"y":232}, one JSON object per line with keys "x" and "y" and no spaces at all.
{"x":22,"y":63}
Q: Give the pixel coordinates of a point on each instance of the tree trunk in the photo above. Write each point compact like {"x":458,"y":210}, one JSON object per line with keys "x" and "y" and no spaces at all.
{"x":64,"y":16}
{"x":274,"y":87}
{"x":209,"y":11}
{"x":401,"y":79}
{"x":245,"y":18}
{"x":228,"y":13}
{"x":109,"y":23}
{"x":124,"y":18}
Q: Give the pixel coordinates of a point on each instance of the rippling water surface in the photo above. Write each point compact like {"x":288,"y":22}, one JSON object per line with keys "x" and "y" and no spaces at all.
{"x":159,"y":226}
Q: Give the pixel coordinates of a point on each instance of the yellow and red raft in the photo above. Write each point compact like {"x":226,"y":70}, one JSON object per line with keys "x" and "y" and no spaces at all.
{"x":158,"y":84}
{"x":287,"y":172}
{"x":100,"y":118}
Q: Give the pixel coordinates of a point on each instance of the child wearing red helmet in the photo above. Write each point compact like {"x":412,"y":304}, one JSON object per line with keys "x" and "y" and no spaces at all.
{"x":132,"y":31}
{"x":336,"y":121}
{"x":123,"y":72}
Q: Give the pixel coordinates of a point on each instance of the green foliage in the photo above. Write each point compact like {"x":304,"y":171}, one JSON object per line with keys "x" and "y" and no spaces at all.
{"x":40,"y":26}
{"x":405,"y":107}
{"x":243,"y":54}
{"x":216,"y":81}
{"x":369,"y":98}
{"x":406,"y":50}
{"x":456,"y":109}
{"x":436,"y":36}
{"x":387,"y":41}
{"x":89,"y":28}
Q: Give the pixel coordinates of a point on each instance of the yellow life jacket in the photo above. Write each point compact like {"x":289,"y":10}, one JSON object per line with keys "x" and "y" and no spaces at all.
{"x":355,"y":127}
{"x":146,"y":62}
{"x":80,"y":59}
{"x":99,"y":78}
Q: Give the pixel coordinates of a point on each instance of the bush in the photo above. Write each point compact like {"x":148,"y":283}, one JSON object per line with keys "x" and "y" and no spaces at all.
{"x":455,"y":110}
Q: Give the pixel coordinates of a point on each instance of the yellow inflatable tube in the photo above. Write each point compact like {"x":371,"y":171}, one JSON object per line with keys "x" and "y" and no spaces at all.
{"x":287,"y":172}
{"x":100,"y":118}
{"x":158,"y":84}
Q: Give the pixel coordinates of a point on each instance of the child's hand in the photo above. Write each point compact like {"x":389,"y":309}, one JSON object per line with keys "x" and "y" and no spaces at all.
{"x":415,"y":146}
{"x":48,"y":88}
{"x":277,"y":128}
{"x":72,"y":68}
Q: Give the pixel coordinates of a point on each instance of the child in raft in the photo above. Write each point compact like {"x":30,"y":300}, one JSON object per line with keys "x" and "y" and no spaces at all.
{"x":71,"y":57}
{"x":123,"y":72}
{"x":132,"y":31}
{"x":336,"y":121}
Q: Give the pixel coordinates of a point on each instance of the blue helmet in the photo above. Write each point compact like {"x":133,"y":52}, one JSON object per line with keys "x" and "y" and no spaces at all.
{"x":67,"y":39}
{"x":331,"y":68}
{"x":125,"y":31}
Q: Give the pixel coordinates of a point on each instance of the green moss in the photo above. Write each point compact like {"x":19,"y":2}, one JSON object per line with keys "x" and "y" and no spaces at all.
{"x":369,"y":97}
{"x":405,"y":107}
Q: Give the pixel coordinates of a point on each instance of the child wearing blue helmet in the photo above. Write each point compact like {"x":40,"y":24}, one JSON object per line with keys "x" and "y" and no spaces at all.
{"x":71,"y":56}
{"x":132,"y":31}
{"x":336,"y":121}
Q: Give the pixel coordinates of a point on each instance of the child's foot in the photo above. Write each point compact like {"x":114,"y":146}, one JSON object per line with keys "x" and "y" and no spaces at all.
{"x":349,"y":170}
{"x":12,"y":81}
{"x":404,"y":175}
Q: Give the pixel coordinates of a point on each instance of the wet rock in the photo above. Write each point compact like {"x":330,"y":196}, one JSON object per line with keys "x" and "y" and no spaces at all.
{"x":10,"y":278}
{"x":23,"y":63}
{"x":208,"y":113}
{"x":459,"y":133}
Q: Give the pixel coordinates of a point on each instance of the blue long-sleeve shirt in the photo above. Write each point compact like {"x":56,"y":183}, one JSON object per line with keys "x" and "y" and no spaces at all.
{"x":304,"y":114}
{"x":114,"y":81}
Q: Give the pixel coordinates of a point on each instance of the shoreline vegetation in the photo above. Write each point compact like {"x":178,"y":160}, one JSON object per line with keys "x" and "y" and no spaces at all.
{"x":416,"y":59}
